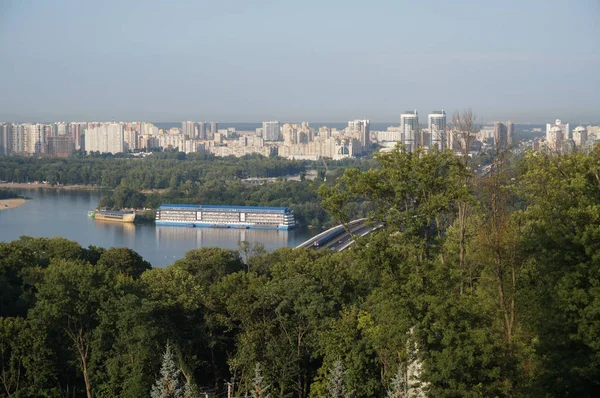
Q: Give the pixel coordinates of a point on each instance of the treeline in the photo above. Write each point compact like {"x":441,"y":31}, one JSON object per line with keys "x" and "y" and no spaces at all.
{"x":158,"y":171}
{"x":474,"y":287}
{"x":161,"y":170}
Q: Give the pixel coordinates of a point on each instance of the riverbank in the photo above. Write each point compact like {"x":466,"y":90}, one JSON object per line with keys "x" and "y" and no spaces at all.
{"x":29,"y":185}
{"x":11,"y":203}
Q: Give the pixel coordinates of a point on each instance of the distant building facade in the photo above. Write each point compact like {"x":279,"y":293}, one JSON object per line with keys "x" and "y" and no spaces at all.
{"x":104,"y":138}
{"x":563,"y":127}
{"x":503,"y":135}
{"x":360,"y":128}
{"x":187,"y":128}
{"x":271,"y":131}
{"x":409,"y":126}
{"x":60,"y":146}
{"x":436,"y":124}
{"x":213,"y":130}
{"x":580,"y":136}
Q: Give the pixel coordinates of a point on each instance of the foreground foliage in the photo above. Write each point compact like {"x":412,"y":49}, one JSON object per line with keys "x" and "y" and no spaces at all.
{"x":473,"y":287}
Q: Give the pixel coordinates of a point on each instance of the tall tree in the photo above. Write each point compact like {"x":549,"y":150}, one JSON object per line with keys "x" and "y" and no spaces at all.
{"x":169,"y":384}
{"x":124,"y":260}
{"x":68,"y":298}
{"x":561,"y":236}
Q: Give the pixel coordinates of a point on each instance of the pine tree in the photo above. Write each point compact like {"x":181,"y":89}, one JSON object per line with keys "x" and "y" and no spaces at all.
{"x":188,"y":390}
{"x":259,"y":390}
{"x":398,"y":387}
{"x":169,"y":384}
{"x":336,"y":383}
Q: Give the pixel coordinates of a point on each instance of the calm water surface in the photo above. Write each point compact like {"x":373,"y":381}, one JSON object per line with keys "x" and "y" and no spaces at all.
{"x":54,"y":212}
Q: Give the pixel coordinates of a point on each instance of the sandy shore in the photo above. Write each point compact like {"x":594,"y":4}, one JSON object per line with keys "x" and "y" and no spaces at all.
{"x":11,"y":203}
{"x":22,"y":185}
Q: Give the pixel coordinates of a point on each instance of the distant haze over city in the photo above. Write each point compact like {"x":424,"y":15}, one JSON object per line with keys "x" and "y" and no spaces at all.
{"x":239,"y":61}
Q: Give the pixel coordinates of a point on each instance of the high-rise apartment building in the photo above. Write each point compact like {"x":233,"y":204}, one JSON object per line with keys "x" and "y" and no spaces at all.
{"x":201,"y":131}
{"x":436,"y":124}
{"x":325,"y":132}
{"x":35,"y":138}
{"x":19,"y":139}
{"x":60,"y":146}
{"x":60,"y":128}
{"x":148,"y":129}
{"x":187,"y":128}
{"x":580,"y":136}
{"x":563,"y":127}
{"x":289,"y":133}
{"x":361,"y":128}
{"x":115,"y":138}
{"x":213,"y":130}
{"x":76,"y":131}
{"x":5,"y":138}
{"x":409,"y":124}
{"x":130,"y":139}
{"x":503,"y":135}
{"x":172,"y":141}
{"x":105,"y":138}
{"x":271,"y":131}
{"x":555,"y":138}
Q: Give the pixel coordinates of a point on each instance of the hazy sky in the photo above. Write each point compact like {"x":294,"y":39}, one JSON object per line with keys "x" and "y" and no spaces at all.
{"x":325,"y":60}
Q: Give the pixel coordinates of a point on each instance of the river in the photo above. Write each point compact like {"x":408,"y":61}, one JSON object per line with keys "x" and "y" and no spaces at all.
{"x":57,"y":212}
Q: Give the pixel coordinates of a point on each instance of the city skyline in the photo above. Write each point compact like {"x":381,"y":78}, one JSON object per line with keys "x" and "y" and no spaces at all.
{"x":70,"y":60}
{"x":289,"y":140}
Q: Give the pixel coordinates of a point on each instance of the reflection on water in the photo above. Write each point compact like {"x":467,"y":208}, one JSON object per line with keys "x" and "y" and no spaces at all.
{"x":64,"y":213}
{"x":122,"y":233}
{"x":205,"y":237}
{"x":126,"y":228}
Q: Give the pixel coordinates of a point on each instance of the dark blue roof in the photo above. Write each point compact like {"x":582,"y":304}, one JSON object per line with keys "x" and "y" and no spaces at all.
{"x":224,"y":207}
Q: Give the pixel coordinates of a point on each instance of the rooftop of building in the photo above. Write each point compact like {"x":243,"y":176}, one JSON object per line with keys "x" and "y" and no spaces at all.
{"x":166,"y":206}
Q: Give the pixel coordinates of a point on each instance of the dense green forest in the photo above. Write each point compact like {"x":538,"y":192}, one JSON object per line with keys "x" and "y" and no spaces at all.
{"x":475,"y":287}
{"x":158,"y":171}
{"x":193,"y":178}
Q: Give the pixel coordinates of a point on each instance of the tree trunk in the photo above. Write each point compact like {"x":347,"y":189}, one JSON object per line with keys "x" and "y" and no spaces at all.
{"x":86,"y":377}
{"x":83,"y":350}
{"x":462,"y":241}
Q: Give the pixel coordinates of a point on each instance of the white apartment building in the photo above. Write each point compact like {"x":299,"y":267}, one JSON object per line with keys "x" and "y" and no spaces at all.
{"x":61,"y":128}
{"x":19,"y":139}
{"x":555,"y":138}
{"x":130,"y":139}
{"x":35,"y":138}
{"x":193,"y":146}
{"x":105,"y":138}
{"x":188,"y":129}
{"x":173,"y":141}
{"x":563,"y":127}
{"x":436,"y":124}
{"x":580,"y":136}
{"x":392,"y":134}
{"x":271,"y":131}
{"x":148,"y":129}
{"x":361,"y":130}
{"x":409,"y":125}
